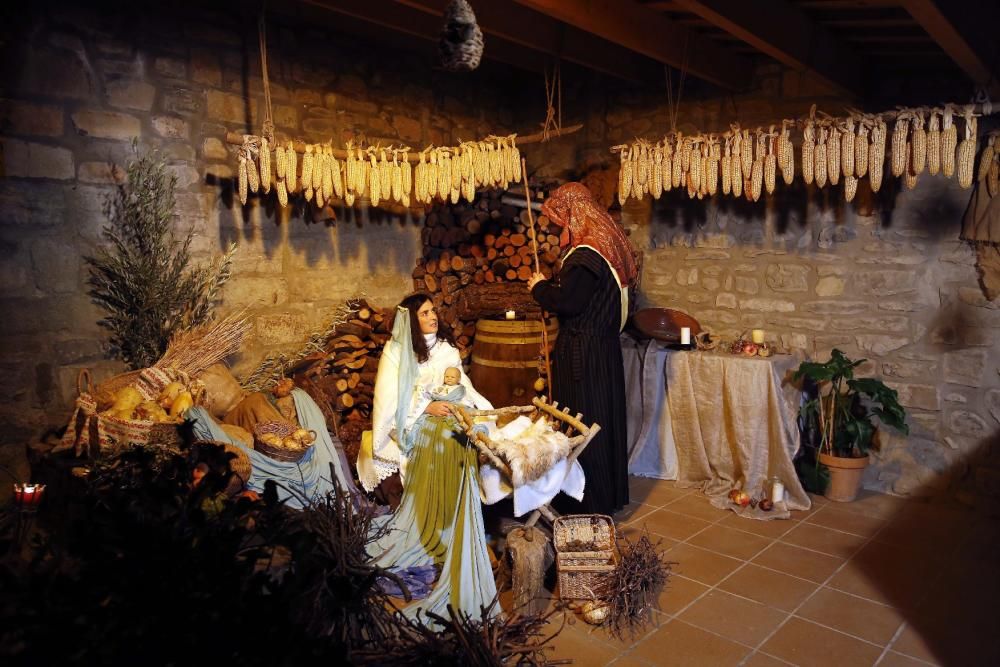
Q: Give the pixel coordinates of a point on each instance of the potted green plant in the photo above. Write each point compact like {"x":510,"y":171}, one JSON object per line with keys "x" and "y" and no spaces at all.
{"x":843,"y":412}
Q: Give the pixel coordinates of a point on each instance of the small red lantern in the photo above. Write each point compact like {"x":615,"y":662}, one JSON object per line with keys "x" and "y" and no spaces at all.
{"x":28,"y":496}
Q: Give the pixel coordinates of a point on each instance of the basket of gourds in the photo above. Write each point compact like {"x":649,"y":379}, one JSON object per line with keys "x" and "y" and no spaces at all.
{"x":282,"y":441}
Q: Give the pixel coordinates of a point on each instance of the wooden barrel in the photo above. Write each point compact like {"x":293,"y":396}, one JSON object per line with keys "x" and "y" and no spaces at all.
{"x":505,"y":359}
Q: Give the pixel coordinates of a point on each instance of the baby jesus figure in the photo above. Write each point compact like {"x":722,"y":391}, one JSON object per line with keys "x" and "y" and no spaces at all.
{"x":451,"y":390}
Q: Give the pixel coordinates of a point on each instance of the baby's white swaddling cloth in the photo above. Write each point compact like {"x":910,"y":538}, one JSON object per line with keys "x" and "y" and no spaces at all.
{"x":537,"y":455}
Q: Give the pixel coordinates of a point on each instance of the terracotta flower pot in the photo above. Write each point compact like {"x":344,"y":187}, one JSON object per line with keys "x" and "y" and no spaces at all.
{"x":845,"y":476}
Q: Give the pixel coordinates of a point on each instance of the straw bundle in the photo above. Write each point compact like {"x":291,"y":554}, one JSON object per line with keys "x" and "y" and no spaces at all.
{"x":196,"y":349}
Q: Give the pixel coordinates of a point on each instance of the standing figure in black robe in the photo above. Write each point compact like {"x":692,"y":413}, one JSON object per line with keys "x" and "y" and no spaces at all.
{"x":590,"y":296}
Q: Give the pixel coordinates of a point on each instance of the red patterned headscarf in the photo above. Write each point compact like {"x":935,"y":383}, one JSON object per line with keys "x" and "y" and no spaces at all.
{"x":574,"y":207}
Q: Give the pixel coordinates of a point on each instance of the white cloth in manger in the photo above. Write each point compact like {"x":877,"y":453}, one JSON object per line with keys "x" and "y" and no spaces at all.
{"x":537,"y":455}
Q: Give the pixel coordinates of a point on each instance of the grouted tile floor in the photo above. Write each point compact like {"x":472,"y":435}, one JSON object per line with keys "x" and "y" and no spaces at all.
{"x":880,"y":581}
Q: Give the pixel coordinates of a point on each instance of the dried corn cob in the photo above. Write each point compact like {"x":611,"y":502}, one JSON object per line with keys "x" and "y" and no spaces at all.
{"x":280,"y":186}
{"x":847,"y":148}
{"x":496,"y":169}
{"x":712,"y":169}
{"x":243,"y":179}
{"x":747,"y":156}
{"x":668,"y":165}
{"x":350,"y":169}
{"x":280,"y":162}
{"x":338,"y":177}
{"x":515,"y":157}
{"x":420,"y":179}
{"x":757,"y":169}
{"x":949,"y":141}
{"x":685,"y":154}
{"x":396,"y":178}
{"x":638,"y":189}
{"x":934,"y":143}
{"x":727,"y":167}
{"x":265,"y":165}
{"x":967,"y":151}
{"x":362,"y":179}
{"x":770,"y":165}
{"x":291,"y":168}
{"x":861,"y":150}
{"x":455,"y":172}
{"x":327,"y":172}
{"x":374,"y":181}
{"x":406,"y":171}
{"x":876,"y":154}
{"x":695,"y":168}
{"x":444,"y":172}
{"x":850,"y":187}
{"x":808,"y":151}
{"x":253,"y":178}
{"x":641,"y":163}
{"x":899,"y":134}
{"x":349,"y":198}
{"x":385,"y":174}
{"x":833,"y":155}
{"x":318,"y":167}
{"x":307,"y":168}
{"x":432,"y":176}
{"x":656,"y":183}
{"x":993,"y":178}
{"x":819,"y":161}
{"x":918,"y":142}
{"x":624,"y":176}
{"x":986,"y":159}
{"x":909,"y":177}
{"x":736,"y":177}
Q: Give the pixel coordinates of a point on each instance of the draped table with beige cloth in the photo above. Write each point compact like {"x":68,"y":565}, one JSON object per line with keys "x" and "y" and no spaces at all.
{"x":715,"y":421}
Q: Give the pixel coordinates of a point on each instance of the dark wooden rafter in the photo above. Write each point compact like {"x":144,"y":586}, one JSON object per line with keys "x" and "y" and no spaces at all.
{"x":540,"y":33}
{"x":645,"y":31}
{"x":419,"y":24}
{"x":967,"y":33}
{"x":783,"y":31}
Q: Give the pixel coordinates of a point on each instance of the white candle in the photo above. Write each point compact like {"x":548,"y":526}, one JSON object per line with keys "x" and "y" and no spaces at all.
{"x":510,"y":314}
{"x":757,"y":335}
{"x":777,"y":491}
{"x":685,"y":335}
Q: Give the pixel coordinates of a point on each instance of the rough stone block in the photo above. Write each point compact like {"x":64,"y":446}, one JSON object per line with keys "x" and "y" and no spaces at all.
{"x":227,"y":107}
{"x":768,"y":305}
{"x":909,"y":369}
{"x":279,"y":328}
{"x":186,"y":175}
{"x":27,"y":159}
{"x":919,"y":396}
{"x":787,"y":277}
{"x":711,"y":284}
{"x":171,"y":68}
{"x":966,"y":422}
{"x":830,"y":286}
{"x":205,"y":67}
{"x":880,"y":345}
{"x":30,"y":119}
{"x":54,"y":73}
{"x":836,"y":307}
{"x":131,"y":94}
{"x":794,"y":341}
{"x":885,"y":282}
{"x":186,"y":102}
{"x":725,"y":300}
{"x":747,"y":285}
{"x":100,"y":172}
{"x":171,"y":128}
{"x":687,"y":275}
{"x":256,"y":292}
{"x":965,"y":367}
{"x":885,"y":323}
{"x":710,"y":318}
{"x":107,"y":125}
{"x":717,"y":255}
{"x":810,"y":323}
{"x":408,"y":129}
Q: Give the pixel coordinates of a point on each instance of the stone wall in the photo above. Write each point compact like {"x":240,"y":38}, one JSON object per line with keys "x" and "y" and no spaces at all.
{"x":79,"y":84}
{"x":896,"y":286}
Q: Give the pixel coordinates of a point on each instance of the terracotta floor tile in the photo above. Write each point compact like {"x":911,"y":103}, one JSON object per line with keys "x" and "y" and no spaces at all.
{"x":679,"y":593}
{"x":860,"y":618}
{"x":799,"y":562}
{"x":824,"y":540}
{"x":637,"y":485}
{"x":629,"y":638}
{"x":730,"y":542}
{"x":583,"y":649}
{"x":911,"y":643}
{"x":758,"y":659}
{"x":879,"y":505}
{"x":894,"y":575}
{"x":703,"y":566}
{"x":659,"y":494}
{"x":848,"y":522}
{"x":629,"y":660}
{"x":772,"y":529}
{"x":683,"y":645}
{"x":893,"y":659}
{"x":697,"y":505}
{"x":632,"y":512}
{"x":673,"y":525}
{"x":733,"y":617}
{"x":768,"y":587}
{"x":804,"y":643}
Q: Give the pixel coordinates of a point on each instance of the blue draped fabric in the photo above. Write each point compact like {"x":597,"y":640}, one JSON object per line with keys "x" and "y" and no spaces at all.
{"x":439,"y":522}
{"x":301,"y":481}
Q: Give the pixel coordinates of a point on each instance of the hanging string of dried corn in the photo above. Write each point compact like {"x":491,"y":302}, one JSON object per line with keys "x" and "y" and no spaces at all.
{"x":746,"y":160}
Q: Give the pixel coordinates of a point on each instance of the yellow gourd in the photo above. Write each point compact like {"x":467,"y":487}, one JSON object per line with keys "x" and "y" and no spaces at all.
{"x":126,"y":400}
{"x":169,"y":394}
{"x":181,"y":404}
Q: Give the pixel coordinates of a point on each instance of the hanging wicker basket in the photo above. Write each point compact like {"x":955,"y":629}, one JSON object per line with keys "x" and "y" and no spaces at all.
{"x":461,"y":43}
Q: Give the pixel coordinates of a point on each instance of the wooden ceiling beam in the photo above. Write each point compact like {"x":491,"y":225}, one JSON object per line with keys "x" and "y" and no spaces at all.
{"x":783,"y":31}
{"x":540,"y":33}
{"x":390,"y":15}
{"x":966,"y":32}
{"x":643,"y":30}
